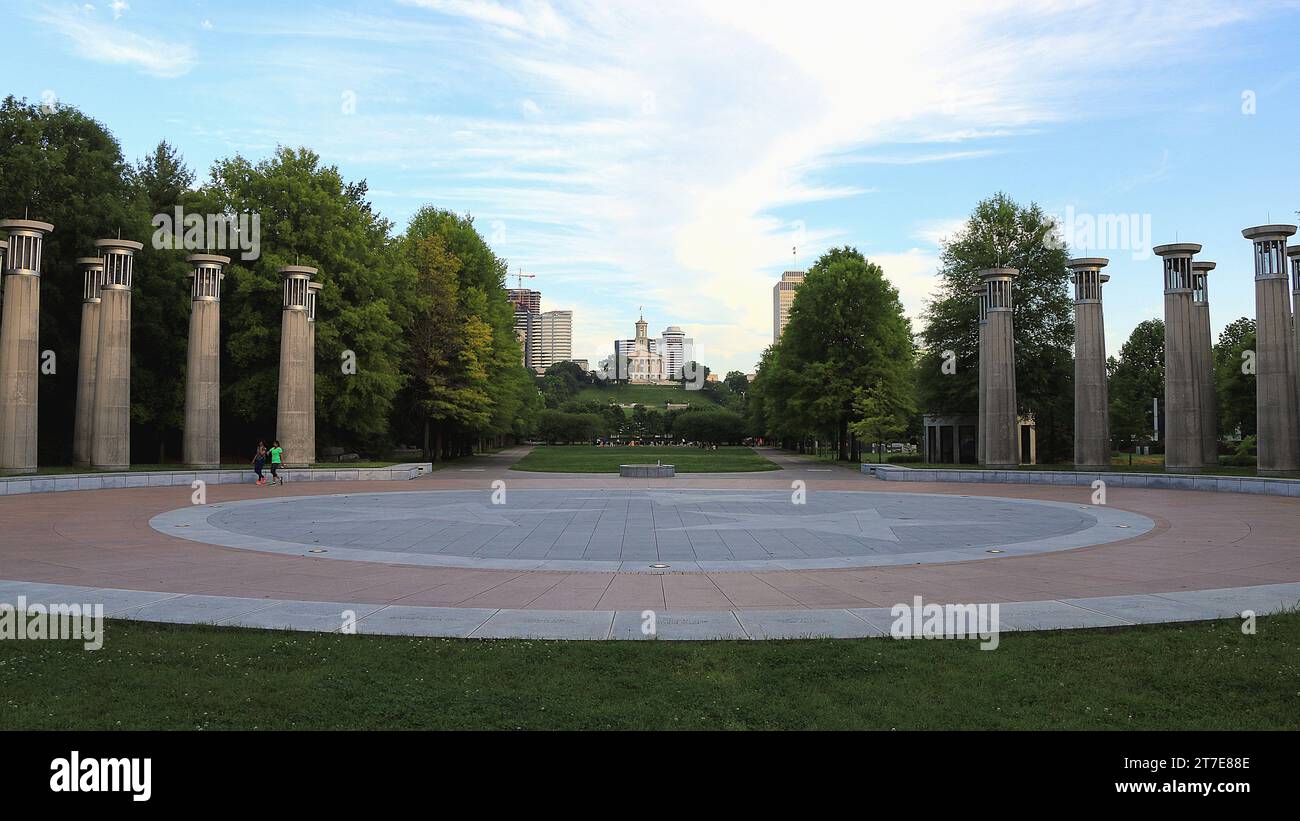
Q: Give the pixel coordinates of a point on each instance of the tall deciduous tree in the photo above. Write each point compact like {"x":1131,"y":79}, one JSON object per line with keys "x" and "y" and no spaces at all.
{"x":846,"y":331}
{"x":1002,"y":233}
{"x":311,"y":216}
{"x":160,"y":307}
{"x":493,"y":396}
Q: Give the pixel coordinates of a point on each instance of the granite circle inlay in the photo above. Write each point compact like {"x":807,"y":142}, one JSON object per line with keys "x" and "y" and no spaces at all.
{"x":634,"y":530}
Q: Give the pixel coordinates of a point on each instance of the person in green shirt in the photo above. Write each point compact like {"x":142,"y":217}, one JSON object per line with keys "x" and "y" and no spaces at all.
{"x":277,"y":453}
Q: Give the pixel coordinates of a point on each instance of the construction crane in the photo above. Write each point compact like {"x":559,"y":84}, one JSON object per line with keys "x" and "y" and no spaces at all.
{"x":521,"y":276}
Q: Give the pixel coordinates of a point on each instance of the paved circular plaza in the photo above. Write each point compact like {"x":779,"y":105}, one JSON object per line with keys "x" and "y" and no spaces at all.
{"x":569,"y":556}
{"x":651,"y":530}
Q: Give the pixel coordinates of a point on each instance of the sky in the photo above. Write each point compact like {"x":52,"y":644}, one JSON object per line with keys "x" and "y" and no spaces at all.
{"x":675,"y":157}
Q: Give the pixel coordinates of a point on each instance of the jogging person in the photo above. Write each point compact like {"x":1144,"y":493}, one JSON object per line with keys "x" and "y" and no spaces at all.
{"x":259,"y":459}
{"x":277,"y":453}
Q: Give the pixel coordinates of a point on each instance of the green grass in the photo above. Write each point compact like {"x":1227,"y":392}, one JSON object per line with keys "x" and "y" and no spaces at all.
{"x":649,"y":395}
{"x":591,"y":459}
{"x":1205,"y":675}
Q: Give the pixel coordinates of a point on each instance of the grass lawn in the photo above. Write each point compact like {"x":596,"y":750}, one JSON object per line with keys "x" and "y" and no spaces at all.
{"x":649,"y":395}
{"x":591,"y":459}
{"x":1205,"y":675}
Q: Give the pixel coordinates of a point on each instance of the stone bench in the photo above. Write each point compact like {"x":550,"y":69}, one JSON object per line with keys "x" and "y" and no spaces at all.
{"x":646,"y":471}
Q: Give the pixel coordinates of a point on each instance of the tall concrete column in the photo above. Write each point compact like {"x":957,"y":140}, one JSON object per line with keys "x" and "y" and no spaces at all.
{"x":110,"y":446}
{"x":1203,"y":363}
{"x":19,"y":350}
{"x":295,"y":405}
{"x":1294,"y":253}
{"x":1091,"y":397}
{"x":313,"y":291}
{"x":1276,"y":403}
{"x":980,"y":432}
{"x":1001,"y":448}
{"x":92,"y":273}
{"x":1182,"y":394}
{"x":202,"y":439}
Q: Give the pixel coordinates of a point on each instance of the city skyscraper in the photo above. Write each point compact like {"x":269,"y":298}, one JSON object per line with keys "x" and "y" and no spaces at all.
{"x":527,"y":328}
{"x":782,"y":298}
{"x":528,"y":309}
{"x":554,"y":339}
{"x":677,"y":349}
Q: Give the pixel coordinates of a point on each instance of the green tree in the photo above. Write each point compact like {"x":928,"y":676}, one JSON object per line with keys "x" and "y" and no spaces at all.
{"x":561,"y":383}
{"x":736,"y":382}
{"x":311,"y":216}
{"x":884,"y":411}
{"x":1135,"y":379}
{"x":512,"y":399}
{"x":1235,"y":387}
{"x":160,"y":307}
{"x":846,"y":331}
{"x":1002,"y":233}
{"x":448,"y":377}
{"x":60,"y":166}
{"x":714,"y":426}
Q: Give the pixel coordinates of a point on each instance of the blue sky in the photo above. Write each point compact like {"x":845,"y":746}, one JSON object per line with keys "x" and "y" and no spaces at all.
{"x":671,"y":154}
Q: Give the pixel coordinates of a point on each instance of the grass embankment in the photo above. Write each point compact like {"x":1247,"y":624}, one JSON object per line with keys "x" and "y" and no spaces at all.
{"x":591,"y":459}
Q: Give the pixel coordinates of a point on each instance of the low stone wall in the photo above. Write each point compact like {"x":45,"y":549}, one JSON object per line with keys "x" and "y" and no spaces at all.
{"x":1156,"y":481}
{"x":646,"y":471}
{"x":18,"y":485}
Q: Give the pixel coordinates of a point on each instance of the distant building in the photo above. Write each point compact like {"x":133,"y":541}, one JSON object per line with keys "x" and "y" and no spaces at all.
{"x":554,"y":340}
{"x":528,"y":309}
{"x":677,"y":349}
{"x":782,"y":298}
{"x":526,"y":298}
{"x":527,"y":328}
{"x":639,"y":359}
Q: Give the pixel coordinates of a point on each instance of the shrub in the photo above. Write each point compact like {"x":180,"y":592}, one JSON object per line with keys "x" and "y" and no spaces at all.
{"x":905,"y":459}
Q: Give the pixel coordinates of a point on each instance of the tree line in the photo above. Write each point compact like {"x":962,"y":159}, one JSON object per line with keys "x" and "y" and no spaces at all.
{"x":423,"y":313}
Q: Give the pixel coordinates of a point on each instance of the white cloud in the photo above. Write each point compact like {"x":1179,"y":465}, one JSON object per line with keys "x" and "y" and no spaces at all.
{"x":914,"y":273}
{"x":111,"y":44}
{"x":936,"y":232}
{"x":686,"y":147}
{"x":531,"y":17}
{"x":119,"y":8}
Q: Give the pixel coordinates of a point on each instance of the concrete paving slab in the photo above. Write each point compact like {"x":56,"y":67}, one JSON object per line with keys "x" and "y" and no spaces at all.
{"x":801,"y":624}
{"x":547,"y":624}
{"x":403,"y":620}
{"x":678,"y":626}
